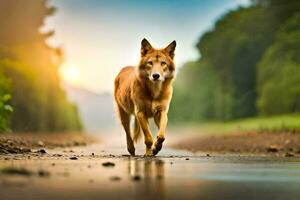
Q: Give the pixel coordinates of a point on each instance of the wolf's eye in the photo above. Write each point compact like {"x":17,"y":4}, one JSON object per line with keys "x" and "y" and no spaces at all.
{"x":163,"y":63}
{"x":150,"y":63}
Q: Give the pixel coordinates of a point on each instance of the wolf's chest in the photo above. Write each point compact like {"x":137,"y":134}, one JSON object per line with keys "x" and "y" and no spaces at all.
{"x":153,"y":107}
{"x":156,"y":90}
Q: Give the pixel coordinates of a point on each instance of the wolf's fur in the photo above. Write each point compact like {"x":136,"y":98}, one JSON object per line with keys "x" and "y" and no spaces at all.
{"x":139,"y":92}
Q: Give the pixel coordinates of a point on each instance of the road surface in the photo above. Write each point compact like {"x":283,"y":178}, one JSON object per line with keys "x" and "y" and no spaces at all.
{"x":173,"y":174}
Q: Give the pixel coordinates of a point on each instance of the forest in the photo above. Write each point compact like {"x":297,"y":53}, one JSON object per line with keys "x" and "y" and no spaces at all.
{"x":31,"y":98}
{"x":248,"y":66}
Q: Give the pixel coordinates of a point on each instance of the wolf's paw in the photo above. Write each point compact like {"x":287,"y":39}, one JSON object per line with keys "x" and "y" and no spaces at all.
{"x":130,"y":147}
{"x":148,"y":153}
{"x":131,"y":151}
{"x":158,"y":145}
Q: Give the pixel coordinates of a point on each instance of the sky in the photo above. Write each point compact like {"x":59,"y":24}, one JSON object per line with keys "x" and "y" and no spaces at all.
{"x":99,"y":37}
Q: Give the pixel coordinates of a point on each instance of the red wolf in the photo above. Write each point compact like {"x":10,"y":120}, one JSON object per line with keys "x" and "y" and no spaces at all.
{"x":145,"y":91}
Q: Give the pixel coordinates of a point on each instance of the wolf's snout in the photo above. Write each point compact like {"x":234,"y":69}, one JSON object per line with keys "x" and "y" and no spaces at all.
{"x":155,"y":76}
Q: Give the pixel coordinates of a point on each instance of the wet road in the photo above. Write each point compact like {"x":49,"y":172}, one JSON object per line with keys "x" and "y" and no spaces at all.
{"x":171,"y":175}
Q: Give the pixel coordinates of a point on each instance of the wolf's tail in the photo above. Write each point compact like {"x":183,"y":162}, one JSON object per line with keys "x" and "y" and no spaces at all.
{"x":137,"y":133}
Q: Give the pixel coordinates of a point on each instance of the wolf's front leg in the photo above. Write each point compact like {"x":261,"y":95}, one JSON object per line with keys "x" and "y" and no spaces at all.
{"x":143,"y":121}
{"x":161,"y":120}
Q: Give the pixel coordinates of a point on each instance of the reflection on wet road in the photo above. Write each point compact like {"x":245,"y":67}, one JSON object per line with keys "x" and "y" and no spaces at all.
{"x":172,"y":175}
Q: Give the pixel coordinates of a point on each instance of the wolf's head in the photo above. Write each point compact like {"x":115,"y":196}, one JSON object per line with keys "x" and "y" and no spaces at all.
{"x":157,"y":64}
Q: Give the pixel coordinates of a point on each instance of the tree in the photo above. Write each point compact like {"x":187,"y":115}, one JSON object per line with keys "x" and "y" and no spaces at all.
{"x":253,"y":60}
{"x":194,"y":93}
{"x":233,"y":48}
{"x":279,"y":72}
{"x":32,"y":67}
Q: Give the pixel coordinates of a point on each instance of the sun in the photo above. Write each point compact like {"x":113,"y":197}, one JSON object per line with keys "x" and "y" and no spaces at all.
{"x":70,"y":74}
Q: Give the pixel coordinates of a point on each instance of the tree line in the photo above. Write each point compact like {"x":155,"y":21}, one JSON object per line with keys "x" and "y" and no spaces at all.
{"x":31,"y":98}
{"x":249,"y":65}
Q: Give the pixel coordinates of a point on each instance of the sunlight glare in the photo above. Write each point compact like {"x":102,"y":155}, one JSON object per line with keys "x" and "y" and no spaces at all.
{"x":70,"y":74}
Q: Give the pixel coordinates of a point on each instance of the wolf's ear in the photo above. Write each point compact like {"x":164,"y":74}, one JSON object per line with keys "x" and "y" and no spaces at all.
{"x":170,"y":49}
{"x":146,"y":47}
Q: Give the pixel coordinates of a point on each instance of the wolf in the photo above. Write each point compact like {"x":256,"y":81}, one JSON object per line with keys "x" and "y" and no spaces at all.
{"x":144,"y":92}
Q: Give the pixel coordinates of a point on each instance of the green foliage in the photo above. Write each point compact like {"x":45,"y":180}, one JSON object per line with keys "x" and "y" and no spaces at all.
{"x":37,"y":108}
{"x":194,"y":93}
{"x":5,"y":108}
{"x":273,"y":124}
{"x":233,"y":48}
{"x":279,"y":72}
{"x":32,"y":69}
{"x":249,"y":65}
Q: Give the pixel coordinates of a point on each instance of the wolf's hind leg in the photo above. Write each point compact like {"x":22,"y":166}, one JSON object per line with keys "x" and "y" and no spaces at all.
{"x":125,"y":120}
{"x":137,"y":131}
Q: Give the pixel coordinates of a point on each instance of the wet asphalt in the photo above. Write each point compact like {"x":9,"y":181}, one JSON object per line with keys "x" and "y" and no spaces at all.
{"x":106,"y":171}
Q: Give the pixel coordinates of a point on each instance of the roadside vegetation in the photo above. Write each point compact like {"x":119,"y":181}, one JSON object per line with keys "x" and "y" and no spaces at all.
{"x":31,"y":99}
{"x":248,"y":67}
{"x":5,"y":108}
{"x":273,"y":124}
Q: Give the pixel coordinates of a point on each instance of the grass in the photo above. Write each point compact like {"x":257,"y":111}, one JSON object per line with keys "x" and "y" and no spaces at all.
{"x":283,"y":123}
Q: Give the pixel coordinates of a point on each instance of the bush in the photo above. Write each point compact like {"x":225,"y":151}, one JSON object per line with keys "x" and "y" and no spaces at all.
{"x":5,"y":108}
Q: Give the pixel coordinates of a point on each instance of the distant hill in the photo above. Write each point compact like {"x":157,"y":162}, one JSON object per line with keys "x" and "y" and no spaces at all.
{"x":96,"y":110}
